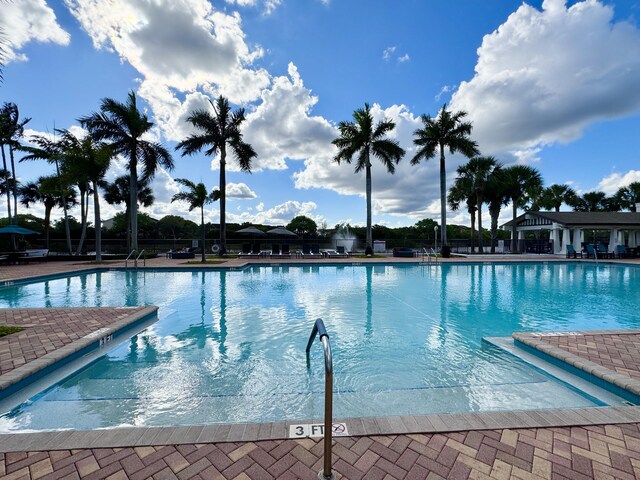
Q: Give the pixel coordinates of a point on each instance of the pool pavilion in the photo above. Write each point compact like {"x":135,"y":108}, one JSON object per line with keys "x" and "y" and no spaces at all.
{"x":569,"y":227}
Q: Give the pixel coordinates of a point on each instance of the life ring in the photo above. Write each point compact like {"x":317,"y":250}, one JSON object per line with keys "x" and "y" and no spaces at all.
{"x":215,"y":248}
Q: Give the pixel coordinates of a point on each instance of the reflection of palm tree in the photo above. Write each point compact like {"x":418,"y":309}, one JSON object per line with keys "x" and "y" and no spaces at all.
{"x":369,"y":325}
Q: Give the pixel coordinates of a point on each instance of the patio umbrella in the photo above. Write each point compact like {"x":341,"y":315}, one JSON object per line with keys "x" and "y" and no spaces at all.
{"x":251,"y":231}
{"x":281,"y":231}
{"x":17,"y":230}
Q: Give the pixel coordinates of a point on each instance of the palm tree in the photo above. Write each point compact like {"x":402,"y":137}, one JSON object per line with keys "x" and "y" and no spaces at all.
{"x":46,"y":190}
{"x":521,"y":183}
{"x":362,"y":139}
{"x":125,"y":126}
{"x":496,"y":197}
{"x":448,"y":130}
{"x":629,"y":196}
{"x":214,"y":134}
{"x":11,"y":131}
{"x":6,"y":187}
{"x":196,"y":197}
{"x":554,"y":196}
{"x":462,"y":191}
{"x":86,"y":162}
{"x":479,"y":169}
{"x":117,"y":193}
{"x":52,"y":152}
{"x":592,"y":202}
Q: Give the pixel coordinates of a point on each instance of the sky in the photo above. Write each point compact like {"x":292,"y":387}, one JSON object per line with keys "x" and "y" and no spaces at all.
{"x":553,"y":84}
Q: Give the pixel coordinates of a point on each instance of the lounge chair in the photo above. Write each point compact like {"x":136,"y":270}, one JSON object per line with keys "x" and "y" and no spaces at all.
{"x":341,"y":250}
{"x":571,"y":252}
{"x":308,"y":253}
{"x":591,"y":252}
{"x":603,"y":252}
{"x":249,"y":251}
{"x":275,"y":250}
{"x":622,"y":252}
{"x":284,"y":252}
{"x":334,"y":254}
{"x":34,"y":255}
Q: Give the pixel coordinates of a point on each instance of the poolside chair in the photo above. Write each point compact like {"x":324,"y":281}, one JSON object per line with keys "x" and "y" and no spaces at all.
{"x":285,"y":251}
{"x":571,"y":252}
{"x":622,"y":252}
{"x":249,"y":251}
{"x":308,"y":253}
{"x":591,"y":252}
{"x":341,"y":250}
{"x":275,"y":250}
{"x":334,"y":254}
{"x":602,"y":251}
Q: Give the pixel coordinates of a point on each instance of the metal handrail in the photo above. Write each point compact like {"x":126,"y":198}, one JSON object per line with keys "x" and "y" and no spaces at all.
{"x":144,"y":259}
{"x":126,"y":260}
{"x":435,"y":255}
{"x":319,"y":329}
{"x":428,"y":254}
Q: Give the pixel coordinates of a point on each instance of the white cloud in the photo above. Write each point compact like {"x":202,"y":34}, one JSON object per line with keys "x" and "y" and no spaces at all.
{"x":615,"y":181}
{"x":239,"y":190}
{"x":280,"y":214}
{"x":443,"y":91}
{"x":177,"y":45}
{"x":543,"y":76}
{"x":386,"y":54}
{"x":268,"y":5}
{"x":26,"y":21}
{"x":404,"y":58}
{"x":281,"y":127}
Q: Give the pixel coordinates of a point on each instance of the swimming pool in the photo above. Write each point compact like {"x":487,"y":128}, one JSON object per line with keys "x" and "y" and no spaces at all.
{"x":229,"y":345}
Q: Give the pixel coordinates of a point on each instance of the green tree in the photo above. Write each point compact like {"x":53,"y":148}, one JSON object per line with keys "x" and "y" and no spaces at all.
{"x":215,"y":133}
{"x":426,"y":227}
{"x":478,"y":170}
{"x":6,"y":187}
{"x":46,"y":190}
{"x":124,"y":126}
{"x":361,"y":138}
{"x":552,"y":197}
{"x":448,"y":130}
{"x":496,"y":197}
{"x":462,"y":191}
{"x":197,"y":197}
{"x":591,"y":202}
{"x":176,"y":227}
{"x":521,"y":183}
{"x":629,"y":196}
{"x":11,"y":132}
{"x":303,"y":225}
{"x":118,"y":193}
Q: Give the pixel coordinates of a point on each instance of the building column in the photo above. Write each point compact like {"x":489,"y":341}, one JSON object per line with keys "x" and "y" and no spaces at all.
{"x":555,"y":238}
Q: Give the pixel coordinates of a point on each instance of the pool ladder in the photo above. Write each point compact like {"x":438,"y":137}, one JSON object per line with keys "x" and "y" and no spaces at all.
{"x":135,"y":259}
{"x":430,"y":254}
{"x":318,"y":329}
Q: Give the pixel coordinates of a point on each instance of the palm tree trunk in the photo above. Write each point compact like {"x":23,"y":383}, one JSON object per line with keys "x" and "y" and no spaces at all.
{"x":202,"y":232}
{"x":127,"y":222}
{"x":369,"y":241}
{"x":15,"y":185}
{"x":443,"y":198}
{"x":4,"y":165}
{"x":65,"y":211}
{"x":472,"y":216}
{"x":133,"y":198}
{"x":98,"y":222}
{"x":47,"y":225}
{"x":479,"y":205}
{"x":494,"y":213}
{"x":514,"y":230}
{"x":84,"y":211}
{"x":223,"y":200}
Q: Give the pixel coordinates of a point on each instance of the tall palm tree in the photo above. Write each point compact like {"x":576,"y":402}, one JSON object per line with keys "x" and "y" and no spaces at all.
{"x":629,"y":196}
{"x":479,"y":169}
{"x":215,"y":133}
{"x":124,"y":126}
{"x":462,"y":191}
{"x":521,"y":183}
{"x":46,"y":190}
{"x":496,"y":197}
{"x":447,"y":130}
{"x":86,"y":163}
{"x":6,"y":187}
{"x":361,"y":138}
{"x":554,"y":196}
{"x":11,"y":131}
{"x":197,"y":197}
{"x":592,"y":202}
{"x":51,"y":150}
{"x":118,"y":193}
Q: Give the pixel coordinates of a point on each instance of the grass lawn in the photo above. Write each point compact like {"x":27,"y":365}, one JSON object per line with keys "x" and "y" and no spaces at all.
{"x":369,"y":256}
{"x":208,"y":262}
{"x":6,"y":330}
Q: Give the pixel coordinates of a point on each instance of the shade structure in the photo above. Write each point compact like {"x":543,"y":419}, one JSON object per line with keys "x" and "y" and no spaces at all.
{"x":281,"y":231}
{"x":17,"y":230}
{"x":250,"y":231}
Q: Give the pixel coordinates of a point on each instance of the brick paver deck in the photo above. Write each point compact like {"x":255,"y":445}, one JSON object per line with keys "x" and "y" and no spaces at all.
{"x":611,"y":451}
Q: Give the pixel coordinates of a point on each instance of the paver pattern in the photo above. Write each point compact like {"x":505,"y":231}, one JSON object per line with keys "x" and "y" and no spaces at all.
{"x":47,"y":329}
{"x":617,"y":352}
{"x":611,"y":451}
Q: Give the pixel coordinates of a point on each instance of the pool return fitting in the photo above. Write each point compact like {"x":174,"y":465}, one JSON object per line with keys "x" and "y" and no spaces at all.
{"x":318,"y":329}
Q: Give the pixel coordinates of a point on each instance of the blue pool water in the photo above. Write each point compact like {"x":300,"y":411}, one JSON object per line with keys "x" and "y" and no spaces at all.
{"x":229,"y":345}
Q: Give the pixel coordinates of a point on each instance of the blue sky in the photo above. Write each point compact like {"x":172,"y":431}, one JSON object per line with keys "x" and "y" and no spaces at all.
{"x":552,"y":84}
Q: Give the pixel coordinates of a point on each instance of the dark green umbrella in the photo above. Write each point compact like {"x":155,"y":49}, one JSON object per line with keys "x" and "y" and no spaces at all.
{"x":17,"y":230}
